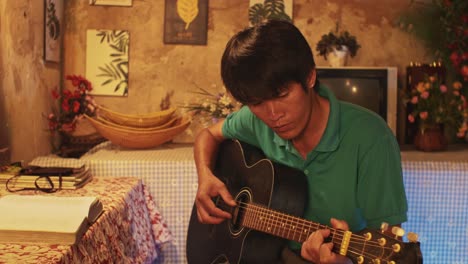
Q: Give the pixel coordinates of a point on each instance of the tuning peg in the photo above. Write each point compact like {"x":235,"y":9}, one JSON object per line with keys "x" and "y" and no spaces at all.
{"x":383,"y":227}
{"x":398,"y":231}
{"x":412,"y":237}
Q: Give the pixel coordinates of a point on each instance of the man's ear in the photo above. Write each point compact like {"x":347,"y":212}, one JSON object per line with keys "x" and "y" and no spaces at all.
{"x":312,"y":79}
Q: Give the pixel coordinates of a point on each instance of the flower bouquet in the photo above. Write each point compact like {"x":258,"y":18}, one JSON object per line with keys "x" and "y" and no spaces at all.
{"x":205,"y":109}
{"x":211,"y":107}
{"x":435,"y":106}
{"x":68,"y":116}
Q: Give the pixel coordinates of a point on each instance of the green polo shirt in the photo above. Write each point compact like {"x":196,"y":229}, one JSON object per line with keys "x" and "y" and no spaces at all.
{"x":353,"y":174}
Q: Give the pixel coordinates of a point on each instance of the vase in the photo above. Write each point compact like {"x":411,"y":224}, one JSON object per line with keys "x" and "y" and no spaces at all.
{"x":430,"y":138}
{"x":338,"y":58}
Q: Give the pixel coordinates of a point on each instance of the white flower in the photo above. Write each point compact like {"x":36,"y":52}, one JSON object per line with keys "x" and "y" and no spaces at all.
{"x":226,"y":112}
{"x":212,"y":108}
{"x":225,"y":100}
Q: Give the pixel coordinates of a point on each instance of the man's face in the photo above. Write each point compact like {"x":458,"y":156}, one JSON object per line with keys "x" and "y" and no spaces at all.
{"x":288,"y":114}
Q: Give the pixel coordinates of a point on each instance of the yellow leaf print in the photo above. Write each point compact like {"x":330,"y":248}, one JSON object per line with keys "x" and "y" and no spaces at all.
{"x":187,"y":10}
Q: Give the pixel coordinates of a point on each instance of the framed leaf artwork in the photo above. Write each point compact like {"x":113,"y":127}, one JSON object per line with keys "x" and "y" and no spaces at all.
{"x":53,"y":30}
{"x":186,"y":22}
{"x":261,"y":10}
{"x":111,"y":2}
{"x":107,"y":61}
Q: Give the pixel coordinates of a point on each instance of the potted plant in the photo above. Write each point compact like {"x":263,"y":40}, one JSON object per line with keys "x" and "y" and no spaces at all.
{"x":336,"y":45}
{"x":436,"y":107}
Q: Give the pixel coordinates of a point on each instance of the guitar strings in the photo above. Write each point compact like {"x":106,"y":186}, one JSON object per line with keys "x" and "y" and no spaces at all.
{"x":304,"y":225}
{"x":351,"y":247}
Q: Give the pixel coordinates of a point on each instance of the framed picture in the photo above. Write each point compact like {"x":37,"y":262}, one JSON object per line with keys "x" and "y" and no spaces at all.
{"x":111,"y":2}
{"x":107,"y":61}
{"x":186,"y":22}
{"x":53,"y":30}
{"x":260,"y":10}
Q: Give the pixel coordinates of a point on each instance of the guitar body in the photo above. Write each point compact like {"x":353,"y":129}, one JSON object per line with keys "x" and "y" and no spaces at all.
{"x":249,"y":177}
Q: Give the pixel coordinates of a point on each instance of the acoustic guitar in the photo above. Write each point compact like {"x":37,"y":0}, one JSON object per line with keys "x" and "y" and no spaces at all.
{"x":270,"y":201}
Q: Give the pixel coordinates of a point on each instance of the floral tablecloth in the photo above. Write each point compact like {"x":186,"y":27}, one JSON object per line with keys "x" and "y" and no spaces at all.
{"x":131,"y":229}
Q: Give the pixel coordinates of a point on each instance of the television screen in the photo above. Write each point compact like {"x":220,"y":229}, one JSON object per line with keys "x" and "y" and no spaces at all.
{"x":372,"y":88}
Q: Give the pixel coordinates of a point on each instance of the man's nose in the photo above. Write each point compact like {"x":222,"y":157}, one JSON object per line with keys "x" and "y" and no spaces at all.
{"x":273,"y":111}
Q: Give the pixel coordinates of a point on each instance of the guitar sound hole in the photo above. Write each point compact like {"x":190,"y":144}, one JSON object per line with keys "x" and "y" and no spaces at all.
{"x":242,"y":199}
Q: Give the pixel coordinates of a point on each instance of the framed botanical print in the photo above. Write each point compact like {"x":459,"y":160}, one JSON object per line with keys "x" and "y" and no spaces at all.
{"x":186,"y":22}
{"x":53,"y":30}
{"x":111,"y":2}
{"x":107,"y":61}
{"x":260,"y":10}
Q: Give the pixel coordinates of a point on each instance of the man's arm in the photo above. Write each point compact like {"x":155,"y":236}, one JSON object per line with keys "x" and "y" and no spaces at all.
{"x":209,"y":186}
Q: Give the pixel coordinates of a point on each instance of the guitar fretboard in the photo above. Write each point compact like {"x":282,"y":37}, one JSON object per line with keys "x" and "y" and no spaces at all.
{"x":282,"y":225}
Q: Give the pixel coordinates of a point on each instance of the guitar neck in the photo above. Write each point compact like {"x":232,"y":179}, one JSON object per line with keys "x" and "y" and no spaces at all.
{"x":293,"y":228}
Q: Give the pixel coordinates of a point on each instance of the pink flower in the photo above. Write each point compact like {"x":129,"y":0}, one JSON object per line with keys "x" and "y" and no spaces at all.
{"x":414,"y":100}
{"x":443,"y":88}
{"x":411,"y":118}
{"x":425,"y":95}
{"x":423,"y":115}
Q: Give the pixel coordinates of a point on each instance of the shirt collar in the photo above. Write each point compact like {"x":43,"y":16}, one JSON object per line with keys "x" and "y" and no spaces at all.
{"x":331,"y":137}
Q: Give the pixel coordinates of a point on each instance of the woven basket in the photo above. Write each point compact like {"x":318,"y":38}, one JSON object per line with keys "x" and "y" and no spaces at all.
{"x":131,"y":138}
{"x":141,"y":120}
{"x":168,"y":124}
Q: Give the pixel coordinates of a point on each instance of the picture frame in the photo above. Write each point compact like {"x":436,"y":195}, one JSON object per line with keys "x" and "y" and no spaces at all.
{"x":107,"y":61}
{"x":111,"y":2}
{"x":53,"y":30}
{"x":186,"y":22}
{"x":261,"y":10}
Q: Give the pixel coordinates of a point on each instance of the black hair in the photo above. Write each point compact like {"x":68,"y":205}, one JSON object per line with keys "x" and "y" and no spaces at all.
{"x":260,"y":61}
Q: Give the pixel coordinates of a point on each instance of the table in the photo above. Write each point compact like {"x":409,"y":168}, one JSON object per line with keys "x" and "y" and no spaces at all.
{"x":436,"y":185}
{"x":131,"y":229}
{"x":437,"y":192}
{"x":169,"y":174}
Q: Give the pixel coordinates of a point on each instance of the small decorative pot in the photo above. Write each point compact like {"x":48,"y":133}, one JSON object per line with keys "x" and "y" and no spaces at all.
{"x":338,"y":58}
{"x":430,"y":138}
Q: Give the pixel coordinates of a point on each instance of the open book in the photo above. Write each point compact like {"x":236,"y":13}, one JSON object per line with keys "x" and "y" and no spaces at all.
{"x":46,"y":219}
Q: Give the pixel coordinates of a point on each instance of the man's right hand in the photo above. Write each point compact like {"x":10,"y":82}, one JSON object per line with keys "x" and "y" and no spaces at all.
{"x":208,"y":188}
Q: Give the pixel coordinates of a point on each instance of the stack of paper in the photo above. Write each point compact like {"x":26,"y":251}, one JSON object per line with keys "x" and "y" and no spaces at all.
{"x":46,"y":219}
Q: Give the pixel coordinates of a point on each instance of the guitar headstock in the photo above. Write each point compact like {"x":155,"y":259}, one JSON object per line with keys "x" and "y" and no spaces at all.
{"x":372,"y":246}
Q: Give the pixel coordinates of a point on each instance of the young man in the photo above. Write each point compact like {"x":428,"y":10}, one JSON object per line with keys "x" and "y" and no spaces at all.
{"x":348,"y":154}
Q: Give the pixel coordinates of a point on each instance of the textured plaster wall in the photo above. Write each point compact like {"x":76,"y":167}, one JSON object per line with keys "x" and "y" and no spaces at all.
{"x":25,"y":80}
{"x":156,"y":68}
